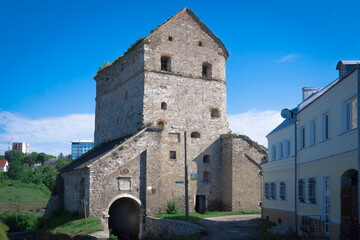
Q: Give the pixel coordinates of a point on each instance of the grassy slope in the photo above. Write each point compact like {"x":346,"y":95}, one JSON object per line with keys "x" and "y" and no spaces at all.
{"x":23,"y":197}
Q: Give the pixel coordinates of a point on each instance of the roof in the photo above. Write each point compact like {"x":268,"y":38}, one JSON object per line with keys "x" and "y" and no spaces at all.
{"x":3,"y":163}
{"x":142,"y":40}
{"x":83,"y":141}
{"x":286,"y":122}
{"x":352,"y":62}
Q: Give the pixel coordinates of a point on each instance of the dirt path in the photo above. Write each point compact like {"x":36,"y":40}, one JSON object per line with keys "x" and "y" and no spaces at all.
{"x":233,"y":227}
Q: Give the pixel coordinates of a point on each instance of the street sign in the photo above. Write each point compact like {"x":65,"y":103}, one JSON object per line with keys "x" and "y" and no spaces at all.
{"x":193,"y":176}
{"x":179,"y":182}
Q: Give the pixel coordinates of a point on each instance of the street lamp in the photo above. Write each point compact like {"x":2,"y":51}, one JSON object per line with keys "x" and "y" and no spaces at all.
{"x":186,"y":176}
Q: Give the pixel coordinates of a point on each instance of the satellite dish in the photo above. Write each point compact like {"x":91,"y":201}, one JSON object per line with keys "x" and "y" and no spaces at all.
{"x":286,"y":113}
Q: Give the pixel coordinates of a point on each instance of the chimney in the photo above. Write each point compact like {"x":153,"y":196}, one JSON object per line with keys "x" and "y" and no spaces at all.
{"x":308,"y":91}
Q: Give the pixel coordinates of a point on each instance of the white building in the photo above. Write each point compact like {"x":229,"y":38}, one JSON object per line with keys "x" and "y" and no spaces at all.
{"x":4,"y":166}
{"x":311,"y":177}
{"x":80,"y":147}
{"x":21,"y":146}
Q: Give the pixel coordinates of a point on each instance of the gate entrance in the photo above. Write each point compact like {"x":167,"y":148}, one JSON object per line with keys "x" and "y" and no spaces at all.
{"x":349,"y":205}
{"x":200,"y":205}
{"x":124,"y":218}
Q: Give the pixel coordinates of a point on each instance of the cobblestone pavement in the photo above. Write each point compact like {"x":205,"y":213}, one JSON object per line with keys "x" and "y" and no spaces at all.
{"x":233,"y":227}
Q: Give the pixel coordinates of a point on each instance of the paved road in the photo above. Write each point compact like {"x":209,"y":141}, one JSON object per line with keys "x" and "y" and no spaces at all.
{"x":233,"y":227}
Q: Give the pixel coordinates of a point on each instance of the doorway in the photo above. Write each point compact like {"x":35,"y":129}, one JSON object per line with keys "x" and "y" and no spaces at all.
{"x":200,"y":205}
{"x":349,"y":205}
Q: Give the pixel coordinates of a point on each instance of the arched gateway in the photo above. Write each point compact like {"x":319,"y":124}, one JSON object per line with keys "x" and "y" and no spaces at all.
{"x":125,"y":218}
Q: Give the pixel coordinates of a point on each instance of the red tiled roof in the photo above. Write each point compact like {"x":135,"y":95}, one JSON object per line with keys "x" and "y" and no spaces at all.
{"x":2,"y":163}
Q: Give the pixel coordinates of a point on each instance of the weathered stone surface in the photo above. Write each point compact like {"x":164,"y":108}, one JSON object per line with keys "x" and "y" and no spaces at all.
{"x":166,"y":228}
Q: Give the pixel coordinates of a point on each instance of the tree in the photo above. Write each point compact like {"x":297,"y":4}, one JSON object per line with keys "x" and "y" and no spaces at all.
{"x":61,"y":155}
{"x":2,"y":157}
{"x":60,"y":163}
{"x":68,"y":157}
{"x":47,"y":175}
{"x":16,"y":170}
{"x":14,"y":155}
{"x":30,"y":159}
{"x":41,"y":158}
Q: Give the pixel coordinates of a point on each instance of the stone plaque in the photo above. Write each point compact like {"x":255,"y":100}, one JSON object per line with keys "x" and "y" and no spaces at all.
{"x":124,"y":184}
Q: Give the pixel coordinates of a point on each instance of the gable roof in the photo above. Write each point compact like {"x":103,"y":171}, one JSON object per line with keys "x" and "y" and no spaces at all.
{"x":353,"y":62}
{"x":140,"y":41}
{"x":3,"y":163}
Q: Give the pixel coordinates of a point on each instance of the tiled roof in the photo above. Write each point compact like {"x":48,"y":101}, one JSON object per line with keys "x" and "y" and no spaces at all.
{"x":2,"y":163}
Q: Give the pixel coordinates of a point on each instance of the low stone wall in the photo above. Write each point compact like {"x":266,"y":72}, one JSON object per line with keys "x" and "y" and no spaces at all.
{"x":166,"y":228}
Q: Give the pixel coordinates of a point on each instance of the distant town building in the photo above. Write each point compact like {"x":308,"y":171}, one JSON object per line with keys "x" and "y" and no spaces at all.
{"x":21,"y":146}
{"x":50,"y":162}
{"x":4,"y":166}
{"x":310,"y":180}
{"x":80,"y":147}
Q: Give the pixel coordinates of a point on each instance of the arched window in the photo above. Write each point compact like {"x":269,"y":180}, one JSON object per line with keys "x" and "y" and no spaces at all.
{"x":215,"y":113}
{"x":160,"y":124}
{"x":206,"y":70}
{"x":163,"y":106}
{"x":206,"y":158}
{"x":195,"y":135}
{"x":166,"y":63}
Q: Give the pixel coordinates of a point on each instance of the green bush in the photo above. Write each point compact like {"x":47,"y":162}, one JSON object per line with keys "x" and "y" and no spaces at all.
{"x":172,"y":207}
{"x":3,"y":230}
{"x":18,"y":222}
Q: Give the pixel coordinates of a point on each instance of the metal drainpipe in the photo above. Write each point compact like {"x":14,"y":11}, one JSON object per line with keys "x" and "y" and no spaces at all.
{"x":358,"y":124}
{"x":295,"y":170}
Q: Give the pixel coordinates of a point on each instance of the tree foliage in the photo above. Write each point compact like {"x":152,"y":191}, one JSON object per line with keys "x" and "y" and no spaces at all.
{"x":60,"y":163}
{"x":14,"y":155}
{"x":19,"y":222}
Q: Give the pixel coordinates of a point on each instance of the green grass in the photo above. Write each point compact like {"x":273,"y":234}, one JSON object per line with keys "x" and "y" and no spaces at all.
{"x":71,"y":223}
{"x":195,"y":217}
{"x":266,"y":235}
{"x":23,"y":197}
{"x":3,"y":230}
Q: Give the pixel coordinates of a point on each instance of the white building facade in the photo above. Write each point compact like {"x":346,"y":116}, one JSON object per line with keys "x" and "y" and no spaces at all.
{"x":21,"y":146}
{"x":80,"y":147}
{"x":318,"y":181}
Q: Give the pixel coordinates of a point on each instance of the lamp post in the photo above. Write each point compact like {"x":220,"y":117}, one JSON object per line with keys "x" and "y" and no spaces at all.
{"x":186,"y":176}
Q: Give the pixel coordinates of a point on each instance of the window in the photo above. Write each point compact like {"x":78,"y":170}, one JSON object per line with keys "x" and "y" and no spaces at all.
{"x":206,"y":158}
{"x":282,"y":190}
{"x":267,"y":190}
{"x":170,"y":38}
{"x":126,"y":94}
{"x":288,"y":152}
{"x":163,"y":106}
{"x":172,"y":154}
{"x":206,"y":70}
{"x":281,"y":146}
{"x":301,"y":190}
{"x":98,"y":126}
{"x":206,"y":176}
{"x":117,"y":119}
{"x":201,"y":44}
{"x":313,"y":132}
{"x":195,"y":135}
{"x":350,"y":115}
{"x":165,"y":63}
{"x":215,"y":113}
{"x":273,"y":152}
{"x":273,"y":190}
{"x":312,"y":189}
{"x":302,"y":137}
{"x":326,"y":126}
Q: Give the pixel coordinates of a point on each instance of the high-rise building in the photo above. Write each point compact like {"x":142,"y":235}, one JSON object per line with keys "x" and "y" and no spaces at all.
{"x":80,"y":147}
{"x":21,"y":146}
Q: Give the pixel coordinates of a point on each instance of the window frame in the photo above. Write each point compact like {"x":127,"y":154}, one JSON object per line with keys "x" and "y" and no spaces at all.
{"x":326,"y":126}
{"x":288,"y":148}
{"x":282,"y":193}
{"x":349,"y":114}
{"x":273,"y":190}
{"x":165,"y":63}
{"x":312,"y":189}
{"x":302,"y":136}
{"x":281,"y":150}
{"x":267,"y":190}
{"x":313,"y":129}
{"x":301,"y":194}
{"x":273,"y":152}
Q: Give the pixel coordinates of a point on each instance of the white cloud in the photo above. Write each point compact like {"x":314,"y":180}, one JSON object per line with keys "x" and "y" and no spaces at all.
{"x":50,"y":135}
{"x":288,"y":58}
{"x":255,"y":124}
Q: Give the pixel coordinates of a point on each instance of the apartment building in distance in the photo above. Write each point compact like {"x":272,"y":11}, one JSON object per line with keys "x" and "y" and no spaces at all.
{"x":311,"y":176}
{"x":80,"y":147}
{"x":21,"y":146}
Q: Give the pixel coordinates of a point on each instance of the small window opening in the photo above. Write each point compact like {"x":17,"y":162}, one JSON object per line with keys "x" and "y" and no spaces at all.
{"x":206,"y":158}
{"x":279,"y":220}
{"x":267,"y":218}
{"x":170,"y":38}
{"x":163,"y":106}
{"x":172,"y":154}
{"x":98,"y":126}
{"x":195,"y":135}
{"x":98,"y":104}
{"x":206,"y":176}
{"x":201,"y":44}
{"x":160,"y":124}
{"x":165,"y":63}
{"x":126,"y":94}
{"x":215,"y":113}
{"x":117,"y":119}
{"x":206,"y":70}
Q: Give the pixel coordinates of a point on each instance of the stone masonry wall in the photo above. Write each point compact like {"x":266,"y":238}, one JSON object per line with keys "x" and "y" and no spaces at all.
{"x":119,"y":97}
{"x":166,"y":228}
{"x":227,"y":174}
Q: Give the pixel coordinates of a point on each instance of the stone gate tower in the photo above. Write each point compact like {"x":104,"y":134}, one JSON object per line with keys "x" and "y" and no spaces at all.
{"x":173,"y":77}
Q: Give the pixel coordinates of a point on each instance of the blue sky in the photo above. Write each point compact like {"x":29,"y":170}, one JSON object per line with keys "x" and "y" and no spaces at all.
{"x":50,"y":51}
